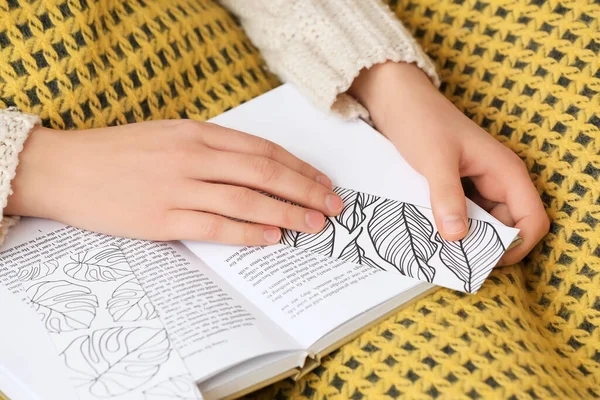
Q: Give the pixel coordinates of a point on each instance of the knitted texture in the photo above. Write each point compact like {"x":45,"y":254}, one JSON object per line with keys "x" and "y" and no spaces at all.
{"x":321,"y":45}
{"x":528,"y":71}
{"x":14,"y":129}
{"x":82,"y":64}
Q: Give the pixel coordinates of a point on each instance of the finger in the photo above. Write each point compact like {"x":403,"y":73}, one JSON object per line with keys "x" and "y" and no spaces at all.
{"x":472,"y":193}
{"x":206,"y":227}
{"x":502,"y":213}
{"x":506,"y":180}
{"x":262,"y":173}
{"x":447,"y":198}
{"x":482,"y":202}
{"x":227,"y":139}
{"x":249,"y":205}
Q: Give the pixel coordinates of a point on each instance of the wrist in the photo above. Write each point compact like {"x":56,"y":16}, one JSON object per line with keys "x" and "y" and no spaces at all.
{"x":32,"y":182}
{"x":384,"y":89}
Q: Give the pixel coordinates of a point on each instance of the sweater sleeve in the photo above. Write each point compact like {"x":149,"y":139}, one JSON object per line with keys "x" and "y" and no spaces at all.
{"x":14,"y":129}
{"x":322,"y":45}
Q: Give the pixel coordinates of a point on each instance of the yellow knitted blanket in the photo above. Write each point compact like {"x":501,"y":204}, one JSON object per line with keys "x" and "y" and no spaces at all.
{"x":528,"y":71}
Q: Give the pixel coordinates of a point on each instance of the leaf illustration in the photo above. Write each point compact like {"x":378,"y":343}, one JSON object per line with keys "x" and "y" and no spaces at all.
{"x":129,"y":302}
{"x":180,"y":387}
{"x":114,"y":361}
{"x":472,"y":258}
{"x":37,"y":271}
{"x":352,"y":214}
{"x":321,"y":242}
{"x":64,"y":306}
{"x":401,"y":236}
{"x":104,"y":264}
{"x":355,"y":254}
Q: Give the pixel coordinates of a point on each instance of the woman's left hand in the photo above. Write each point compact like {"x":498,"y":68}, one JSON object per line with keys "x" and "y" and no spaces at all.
{"x":442,"y":144}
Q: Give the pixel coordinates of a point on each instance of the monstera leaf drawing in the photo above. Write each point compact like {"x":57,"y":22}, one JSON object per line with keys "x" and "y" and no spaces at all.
{"x":352,"y":214}
{"x":104,"y":265}
{"x":37,"y":271}
{"x":472,"y":258}
{"x":355,"y":254}
{"x":129,"y":302}
{"x":321,"y":242}
{"x":114,"y":361}
{"x":401,"y":236}
{"x":180,"y":387}
{"x":64,"y":306}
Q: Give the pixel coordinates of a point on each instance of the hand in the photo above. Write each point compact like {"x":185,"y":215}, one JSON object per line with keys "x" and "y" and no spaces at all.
{"x":442,"y":144}
{"x":170,"y":180}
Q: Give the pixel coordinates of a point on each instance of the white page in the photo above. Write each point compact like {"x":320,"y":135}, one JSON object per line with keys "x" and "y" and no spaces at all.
{"x":357,"y":157}
{"x":338,"y":149}
{"x":29,"y":367}
{"x":307,"y":294}
{"x":95,"y":289}
{"x":401,"y":238}
{"x":106,"y":332}
{"x":351,"y":153}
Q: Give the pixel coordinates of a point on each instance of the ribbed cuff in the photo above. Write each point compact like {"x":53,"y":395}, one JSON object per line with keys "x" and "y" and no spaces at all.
{"x":322,"y":45}
{"x":14,"y":129}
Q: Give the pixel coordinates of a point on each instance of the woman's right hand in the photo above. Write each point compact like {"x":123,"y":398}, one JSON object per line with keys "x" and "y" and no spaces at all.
{"x":170,"y":180}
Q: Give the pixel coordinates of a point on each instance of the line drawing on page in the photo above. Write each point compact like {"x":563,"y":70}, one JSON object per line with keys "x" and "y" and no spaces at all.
{"x":129,"y":302}
{"x":103,"y":264}
{"x":113,"y":361}
{"x":63,"y":306}
{"x":400,"y":237}
{"x":104,"y":326}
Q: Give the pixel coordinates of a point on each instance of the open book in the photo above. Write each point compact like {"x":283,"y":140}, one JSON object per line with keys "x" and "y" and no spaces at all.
{"x":134,"y":319}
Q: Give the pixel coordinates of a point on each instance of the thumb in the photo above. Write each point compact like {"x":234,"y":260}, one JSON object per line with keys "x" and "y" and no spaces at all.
{"x":448,"y":200}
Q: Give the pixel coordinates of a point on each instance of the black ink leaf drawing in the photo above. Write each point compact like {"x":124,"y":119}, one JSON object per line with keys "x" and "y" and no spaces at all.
{"x":180,"y":387}
{"x":37,"y":271}
{"x":64,"y":306}
{"x":103,"y":264}
{"x":114,"y":361}
{"x":355,"y":254}
{"x":321,"y":242}
{"x":355,"y":202}
{"x":401,"y":236}
{"x":472,"y":258}
{"x":129,"y":302}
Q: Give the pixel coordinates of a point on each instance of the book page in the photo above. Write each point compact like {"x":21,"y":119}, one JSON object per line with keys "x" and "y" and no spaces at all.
{"x":401,"y":238}
{"x":281,"y":280}
{"x":306,"y":293}
{"x":96,"y":292}
{"x":24,"y":339}
{"x":104,"y":329}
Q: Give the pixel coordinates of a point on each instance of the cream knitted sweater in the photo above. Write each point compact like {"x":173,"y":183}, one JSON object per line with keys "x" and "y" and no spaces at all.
{"x":318,"y":45}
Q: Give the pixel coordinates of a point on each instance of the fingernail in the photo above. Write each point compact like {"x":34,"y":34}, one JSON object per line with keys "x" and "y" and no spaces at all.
{"x":333,"y":203}
{"x":272,"y":235}
{"x":314,"y":220}
{"x":454,"y":224}
{"x":325,"y":181}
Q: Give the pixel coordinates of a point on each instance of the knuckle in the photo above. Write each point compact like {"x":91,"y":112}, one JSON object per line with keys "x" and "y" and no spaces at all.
{"x":242,"y":198}
{"x":266,"y":169}
{"x":267,"y":148}
{"x":210,"y":228}
{"x":288,"y":216}
{"x":306,"y":169}
{"x":189,"y":128}
{"x":314,"y":191}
